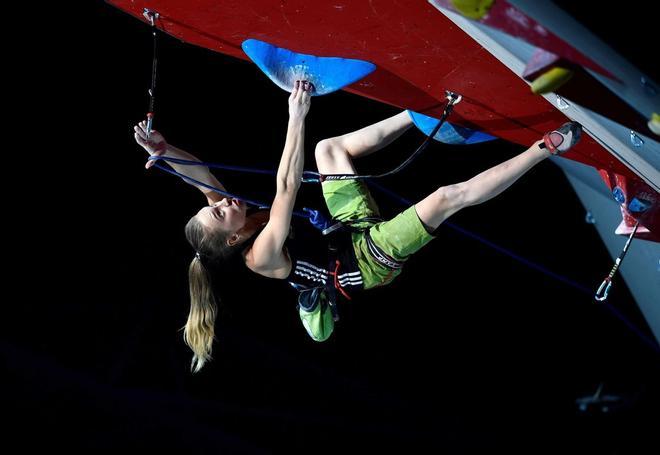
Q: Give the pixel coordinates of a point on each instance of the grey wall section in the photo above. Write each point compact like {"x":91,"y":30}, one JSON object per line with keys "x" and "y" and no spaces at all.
{"x":615,"y":138}
{"x":645,"y":98}
{"x":640,"y":269}
{"x":641,"y":266}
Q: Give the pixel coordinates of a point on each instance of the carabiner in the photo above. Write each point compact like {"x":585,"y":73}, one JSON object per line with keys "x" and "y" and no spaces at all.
{"x":453,"y":97}
{"x":607,"y":281}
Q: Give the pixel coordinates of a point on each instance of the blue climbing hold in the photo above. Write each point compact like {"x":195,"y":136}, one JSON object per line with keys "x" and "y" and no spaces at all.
{"x":284,"y":67}
{"x":448,"y":133}
{"x":619,"y":195}
{"x":639,"y":205}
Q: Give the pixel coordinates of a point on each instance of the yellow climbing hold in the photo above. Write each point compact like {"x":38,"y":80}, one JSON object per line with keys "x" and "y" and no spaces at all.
{"x":654,"y":123}
{"x":551,"y":80}
{"x":473,"y":9}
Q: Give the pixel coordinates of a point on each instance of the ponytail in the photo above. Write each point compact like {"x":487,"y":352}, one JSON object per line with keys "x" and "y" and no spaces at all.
{"x":199,"y":331}
{"x":211,"y":252}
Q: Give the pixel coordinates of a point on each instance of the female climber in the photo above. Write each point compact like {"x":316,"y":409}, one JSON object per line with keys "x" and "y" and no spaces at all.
{"x":368,"y":253}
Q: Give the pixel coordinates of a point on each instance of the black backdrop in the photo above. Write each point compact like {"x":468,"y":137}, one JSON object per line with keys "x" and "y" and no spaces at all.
{"x":469,"y":349}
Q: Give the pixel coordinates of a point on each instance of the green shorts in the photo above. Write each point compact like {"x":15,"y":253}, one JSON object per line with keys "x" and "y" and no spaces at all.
{"x":399,"y":237}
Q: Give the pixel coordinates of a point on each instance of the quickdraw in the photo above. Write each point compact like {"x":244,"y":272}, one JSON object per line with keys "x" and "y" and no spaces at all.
{"x":152,"y":16}
{"x":607,"y":282}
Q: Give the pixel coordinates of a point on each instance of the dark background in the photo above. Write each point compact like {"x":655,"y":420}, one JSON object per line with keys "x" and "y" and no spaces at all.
{"x":468,"y":350}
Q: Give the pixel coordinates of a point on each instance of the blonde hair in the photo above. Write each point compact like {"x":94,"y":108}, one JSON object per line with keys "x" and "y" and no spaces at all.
{"x":199,"y":331}
{"x":211,"y":249}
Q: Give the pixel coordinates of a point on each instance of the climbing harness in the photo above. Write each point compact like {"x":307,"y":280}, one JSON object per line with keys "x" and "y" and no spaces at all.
{"x":605,"y":286}
{"x":378,"y":254}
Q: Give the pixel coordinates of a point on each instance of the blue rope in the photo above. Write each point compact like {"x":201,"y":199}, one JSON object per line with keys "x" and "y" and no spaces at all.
{"x":313,"y":216}
{"x":315,"y":176}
